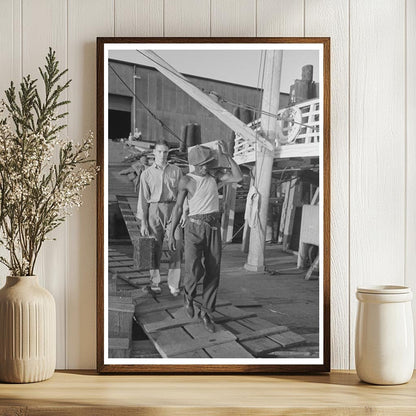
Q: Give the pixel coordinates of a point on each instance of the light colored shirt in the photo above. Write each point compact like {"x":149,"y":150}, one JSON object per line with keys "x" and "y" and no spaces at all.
{"x":205,"y":199}
{"x":157,"y":184}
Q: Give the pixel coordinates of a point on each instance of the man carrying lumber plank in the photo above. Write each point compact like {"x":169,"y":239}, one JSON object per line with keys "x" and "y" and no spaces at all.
{"x":203,"y":228}
{"x":157,"y":197}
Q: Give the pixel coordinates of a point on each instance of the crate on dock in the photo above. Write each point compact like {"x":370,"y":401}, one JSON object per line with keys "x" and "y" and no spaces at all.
{"x":120,"y":323}
{"x":144,"y":253}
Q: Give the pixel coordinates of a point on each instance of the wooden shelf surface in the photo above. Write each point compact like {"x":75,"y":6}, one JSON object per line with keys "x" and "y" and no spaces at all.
{"x":86,"y":393}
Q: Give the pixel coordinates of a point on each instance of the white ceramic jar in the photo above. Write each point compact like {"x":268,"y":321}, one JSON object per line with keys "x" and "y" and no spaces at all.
{"x":384,"y":338}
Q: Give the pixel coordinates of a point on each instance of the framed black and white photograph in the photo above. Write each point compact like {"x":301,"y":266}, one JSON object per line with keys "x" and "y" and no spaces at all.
{"x":213,"y":204}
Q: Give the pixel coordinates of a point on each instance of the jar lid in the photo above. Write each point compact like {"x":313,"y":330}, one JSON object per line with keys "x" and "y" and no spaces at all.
{"x":384,"y":289}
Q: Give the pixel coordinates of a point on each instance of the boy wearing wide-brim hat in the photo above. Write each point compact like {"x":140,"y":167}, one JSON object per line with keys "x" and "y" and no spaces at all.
{"x":203,"y":228}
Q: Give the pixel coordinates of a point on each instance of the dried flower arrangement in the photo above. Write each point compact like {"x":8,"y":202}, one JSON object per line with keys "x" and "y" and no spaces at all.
{"x":42,"y":176}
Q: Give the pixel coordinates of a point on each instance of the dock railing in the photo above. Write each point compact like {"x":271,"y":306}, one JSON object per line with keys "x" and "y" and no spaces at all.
{"x":299,"y":125}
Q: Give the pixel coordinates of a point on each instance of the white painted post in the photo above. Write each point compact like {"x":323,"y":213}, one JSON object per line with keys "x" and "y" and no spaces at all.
{"x":264,"y":158}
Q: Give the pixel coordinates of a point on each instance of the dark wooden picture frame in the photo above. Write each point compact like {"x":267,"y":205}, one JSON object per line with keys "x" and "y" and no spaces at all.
{"x":105,"y":278}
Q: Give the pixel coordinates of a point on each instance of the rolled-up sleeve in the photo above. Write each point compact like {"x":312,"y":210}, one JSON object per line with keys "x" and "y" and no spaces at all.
{"x":144,"y":196}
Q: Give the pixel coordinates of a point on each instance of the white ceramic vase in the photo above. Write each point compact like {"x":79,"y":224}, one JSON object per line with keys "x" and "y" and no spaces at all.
{"x":384,"y":341}
{"x":27,"y":331}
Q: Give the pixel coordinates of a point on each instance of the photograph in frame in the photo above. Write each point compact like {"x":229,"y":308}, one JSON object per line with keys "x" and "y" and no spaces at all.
{"x":213,"y":205}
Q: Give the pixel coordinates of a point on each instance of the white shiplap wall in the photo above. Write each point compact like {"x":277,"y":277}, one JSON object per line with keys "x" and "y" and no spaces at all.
{"x":373,"y":120}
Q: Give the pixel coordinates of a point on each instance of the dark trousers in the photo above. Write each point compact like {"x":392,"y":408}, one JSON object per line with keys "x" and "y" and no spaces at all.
{"x":202,"y":260}
{"x":159,"y":217}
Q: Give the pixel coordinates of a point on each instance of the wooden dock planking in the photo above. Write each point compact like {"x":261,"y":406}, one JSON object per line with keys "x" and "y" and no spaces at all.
{"x":138,"y":282}
{"x":229,"y":349}
{"x":254,"y":338}
{"x":167,"y":324}
{"x":256,"y":323}
{"x":231,"y":313}
{"x":194,"y":354}
{"x":288,"y":339}
{"x":121,"y":307}
{"x":131,"y":282}
{"x":144,"y":308}
{"x":261,"y":346}
{"x":120,"y":299}
{"x":174,"y":341}
{"x":123,"y":268}
{"x":121,"y":262}
{"x":172,"y":348}
{"x":175,"y":334}
{"x":166,"y":304}
{"x":240,"y":334}
{"x":135,"y":275}
{"x":251,"y":335}
{"x":235,"y":327}
{"x":285,"y":339}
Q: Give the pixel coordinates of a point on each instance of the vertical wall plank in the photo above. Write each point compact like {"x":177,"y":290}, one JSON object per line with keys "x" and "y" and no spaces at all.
{"x":10,"y":44}
{"x":44,"y":24}
{"x":280,"y":18}
{"x":86,"y":21}
{"x":411,"y":149}
{"x":187,"y":18}
{"x":6,"y":46}
{"x":233,"y":18}
{"x":377,"y":152}
{"x":138,"y":17}
{"x":10,"y":66}
{"x":331,"y":18}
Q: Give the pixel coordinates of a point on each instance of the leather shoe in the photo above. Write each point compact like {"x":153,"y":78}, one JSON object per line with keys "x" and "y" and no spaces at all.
{"x":189,"y":307}
{"x":208,"y":323}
